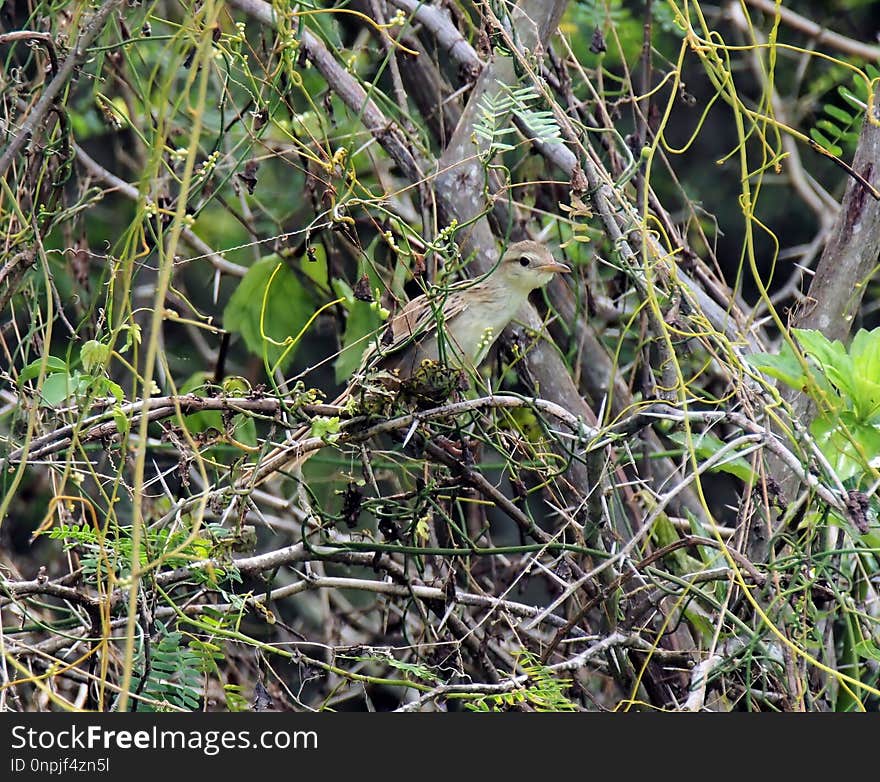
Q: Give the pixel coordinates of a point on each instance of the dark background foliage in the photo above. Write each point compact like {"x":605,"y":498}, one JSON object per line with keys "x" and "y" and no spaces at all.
{"x":216,"y":206}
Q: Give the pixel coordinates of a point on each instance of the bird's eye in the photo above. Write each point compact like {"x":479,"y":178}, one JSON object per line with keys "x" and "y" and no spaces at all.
{"x":524,"y":261}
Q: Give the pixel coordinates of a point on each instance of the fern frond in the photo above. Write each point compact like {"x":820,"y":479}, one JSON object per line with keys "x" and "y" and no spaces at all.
{"x":838,"y":127}
{"x":174,"y":677}
{"x":494,"y":121}
{"x":545,"y":691}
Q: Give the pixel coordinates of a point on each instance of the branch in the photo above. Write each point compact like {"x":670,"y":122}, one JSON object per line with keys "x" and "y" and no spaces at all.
{"x":581,"y":660}
{"x":133,"y":194}
{"x":446,"y":34}
{"x":850,"y":255}
{"x":350,"y":92}
{"x":31,"y":35}
{"x":816,"y":31}
{"x":79,"y":53}
{"x":103,"y":425}
{"x":12,"y":272}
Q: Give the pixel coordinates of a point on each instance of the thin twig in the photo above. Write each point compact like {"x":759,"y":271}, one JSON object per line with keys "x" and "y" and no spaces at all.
{"x":78,"y":54}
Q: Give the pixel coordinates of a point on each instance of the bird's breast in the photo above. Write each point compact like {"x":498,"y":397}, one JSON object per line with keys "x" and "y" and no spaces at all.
{"x":470,"y":335}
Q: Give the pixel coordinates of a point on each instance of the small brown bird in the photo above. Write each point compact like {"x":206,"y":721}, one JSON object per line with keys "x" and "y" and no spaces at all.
{"x":470,"y":316}
{"x":455,"y":326}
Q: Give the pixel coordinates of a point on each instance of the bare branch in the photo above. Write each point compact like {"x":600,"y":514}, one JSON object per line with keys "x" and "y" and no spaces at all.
{"x":78,"y":54}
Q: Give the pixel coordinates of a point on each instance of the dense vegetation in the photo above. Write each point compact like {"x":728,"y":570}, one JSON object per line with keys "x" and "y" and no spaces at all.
{"x":657,"y":493}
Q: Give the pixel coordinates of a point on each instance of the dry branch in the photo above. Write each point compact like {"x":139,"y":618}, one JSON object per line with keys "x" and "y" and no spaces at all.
{"x":24,"y":134}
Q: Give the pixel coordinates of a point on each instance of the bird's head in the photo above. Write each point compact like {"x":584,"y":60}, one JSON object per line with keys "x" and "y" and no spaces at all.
{"x":528,"y":265}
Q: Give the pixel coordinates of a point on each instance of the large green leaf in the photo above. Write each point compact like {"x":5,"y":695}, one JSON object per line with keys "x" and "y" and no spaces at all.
{"x":865,"y":353}
{"x":865,"y":397}
{"x":285,"y":307}
{"x":363,"y":320}
{"x":60,"y":386}
{"x":783,"y":366}
{"x":57,"y":387}
{"x":849,"y":444}
{"x":707,"y":445}
{"x":32,"y":370}
{"x":831,"y":357}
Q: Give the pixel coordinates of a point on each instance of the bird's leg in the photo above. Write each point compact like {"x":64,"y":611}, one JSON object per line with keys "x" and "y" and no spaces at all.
{"x":466,"y":450}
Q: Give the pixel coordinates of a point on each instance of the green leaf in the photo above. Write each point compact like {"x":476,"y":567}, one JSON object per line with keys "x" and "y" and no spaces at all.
{"x":784,"y":367}
{"x":865,"y":354}
{"x":416,"y":670}
{"x":698,"y":621}
{"x":325,"y":428}
{"x":839,"y":114}
{"x":832,"y":358}
{"x":828,"y":125}
{"x":32,"y":370}
{"x":423,"y":529}
{"x":121,"y":420}
{"x":825,"y":143}
{"x":865,"y":397}
{"x":57,"y":387}
{"x":871,"y":541}
{"x":867,"y":650}
{"x":94,"y":355}
{"x":710,"y":557}
{"x":132,"y":336}
{"x":205,"y":419}
{"x":362,"y":321}
{"x":664,"y":533}
{"x":816,"y":344}
{"x":244,"y":429}
{"x":852,"y":100}
{"x":288,"y":307}
{"x":315,"y":266}
{"x":104,"y":387}
{"x":848,"y":444}
{"x":707,"y":445}
{"x":235,"y":385}
{"x":343,"y":290}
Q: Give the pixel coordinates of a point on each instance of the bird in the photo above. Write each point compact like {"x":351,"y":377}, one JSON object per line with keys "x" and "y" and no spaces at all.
{"x":453,"y":327}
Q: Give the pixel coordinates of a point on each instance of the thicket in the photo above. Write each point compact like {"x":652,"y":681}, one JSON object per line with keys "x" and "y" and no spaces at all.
{"x":658,"y":493}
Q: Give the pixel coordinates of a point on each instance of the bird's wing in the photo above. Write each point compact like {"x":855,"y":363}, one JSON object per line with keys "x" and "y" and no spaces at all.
{"x":417,"y":320}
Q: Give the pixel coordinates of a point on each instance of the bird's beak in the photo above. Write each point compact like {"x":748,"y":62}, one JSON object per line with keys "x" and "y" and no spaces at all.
{"x":555,"y":266}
